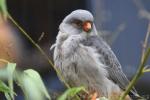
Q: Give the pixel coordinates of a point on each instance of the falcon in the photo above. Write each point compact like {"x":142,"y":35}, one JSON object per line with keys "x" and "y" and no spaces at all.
{"x":83,"y":58}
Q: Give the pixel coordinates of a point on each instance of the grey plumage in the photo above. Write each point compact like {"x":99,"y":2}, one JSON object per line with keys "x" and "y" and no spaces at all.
{"x":109,"y":59}
{"x":84,"y":58}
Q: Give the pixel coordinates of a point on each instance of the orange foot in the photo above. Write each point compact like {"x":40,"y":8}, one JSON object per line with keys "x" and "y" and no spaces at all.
{"x":94,"y":96}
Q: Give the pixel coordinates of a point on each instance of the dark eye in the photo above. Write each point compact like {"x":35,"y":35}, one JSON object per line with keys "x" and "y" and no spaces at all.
{"x":77,"y":23}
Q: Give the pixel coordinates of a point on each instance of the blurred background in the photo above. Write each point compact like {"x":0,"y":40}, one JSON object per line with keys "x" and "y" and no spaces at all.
{"x":122,"y":23}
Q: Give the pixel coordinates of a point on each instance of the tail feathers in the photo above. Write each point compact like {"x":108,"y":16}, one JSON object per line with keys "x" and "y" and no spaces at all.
{"x":135,"y":96}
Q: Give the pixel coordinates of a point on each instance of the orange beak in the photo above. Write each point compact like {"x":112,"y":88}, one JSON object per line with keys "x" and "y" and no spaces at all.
{"x":87,"y":26}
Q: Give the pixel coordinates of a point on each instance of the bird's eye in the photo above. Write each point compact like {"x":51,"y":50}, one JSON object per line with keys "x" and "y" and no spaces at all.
{"x":77,"y":23}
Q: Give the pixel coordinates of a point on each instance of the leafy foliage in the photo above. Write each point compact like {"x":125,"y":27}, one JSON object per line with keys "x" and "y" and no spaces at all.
{"x":29,"y":81}
{"x":3,"y":87}
{"x":33,"y":86}
{"x":10,"y":70}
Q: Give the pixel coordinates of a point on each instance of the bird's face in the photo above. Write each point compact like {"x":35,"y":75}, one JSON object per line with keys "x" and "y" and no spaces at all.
{"x":78,"y":22}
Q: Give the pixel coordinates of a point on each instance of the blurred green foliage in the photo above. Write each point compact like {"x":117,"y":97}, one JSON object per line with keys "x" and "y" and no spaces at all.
{"x":29,"y":81}
{"x":70,"y":93}
{"x":5,"y":89}
{"x":33,"y":86}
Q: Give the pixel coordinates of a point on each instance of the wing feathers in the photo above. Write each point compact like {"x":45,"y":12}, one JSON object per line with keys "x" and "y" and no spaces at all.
{"x":109,"y":59}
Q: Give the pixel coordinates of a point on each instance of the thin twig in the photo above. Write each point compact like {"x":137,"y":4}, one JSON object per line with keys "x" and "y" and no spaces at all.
{"x":144,"y":45}
{"x":41,"y":36}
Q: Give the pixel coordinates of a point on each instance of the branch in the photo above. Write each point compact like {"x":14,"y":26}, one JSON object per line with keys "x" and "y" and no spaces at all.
{"x":139,"y":73}
{"x":145,"y":42}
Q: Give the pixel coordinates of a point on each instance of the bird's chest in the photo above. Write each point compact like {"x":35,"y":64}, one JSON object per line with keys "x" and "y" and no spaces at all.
{"x":80,"y":66}
{"x":76,"y":54}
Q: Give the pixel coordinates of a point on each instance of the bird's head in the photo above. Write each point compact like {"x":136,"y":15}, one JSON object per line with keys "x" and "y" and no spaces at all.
{"x":78,"y":22}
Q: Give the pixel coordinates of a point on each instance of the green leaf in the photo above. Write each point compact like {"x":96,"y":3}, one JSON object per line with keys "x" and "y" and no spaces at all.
{"x":7,"y":96}
{"x":33,"y":86}
{"x":10,"y":70}
{"x":3,"y":9}
{"x":7,"y":74}
{"x":71,"y":93}
{"x":3,"y":87}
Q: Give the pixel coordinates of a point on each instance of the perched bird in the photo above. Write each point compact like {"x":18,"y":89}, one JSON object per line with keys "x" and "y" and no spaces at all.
{"x":85,"y":59}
